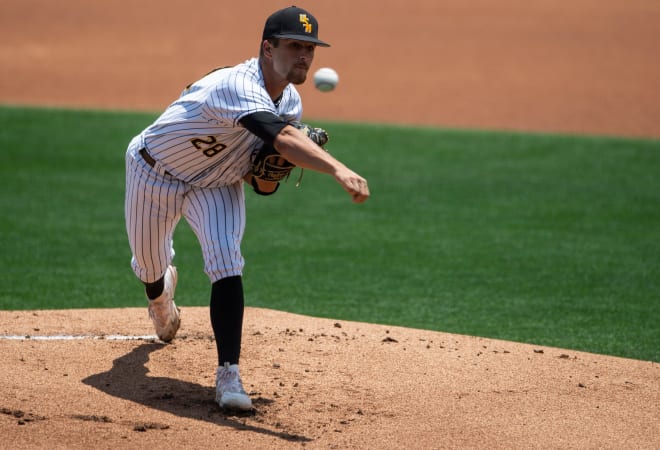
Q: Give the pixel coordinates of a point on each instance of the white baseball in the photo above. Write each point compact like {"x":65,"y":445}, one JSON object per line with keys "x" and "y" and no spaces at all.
{"x":325,"y":79}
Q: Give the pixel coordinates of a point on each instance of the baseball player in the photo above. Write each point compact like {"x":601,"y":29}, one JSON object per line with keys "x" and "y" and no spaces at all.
{"x":236,"y":124}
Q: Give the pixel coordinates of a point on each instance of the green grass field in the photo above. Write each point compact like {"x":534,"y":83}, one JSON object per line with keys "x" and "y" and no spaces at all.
{"x":550,"y":240}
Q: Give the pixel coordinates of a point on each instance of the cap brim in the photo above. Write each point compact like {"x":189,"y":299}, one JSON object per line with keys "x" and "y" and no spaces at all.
{"x":298,"y":37}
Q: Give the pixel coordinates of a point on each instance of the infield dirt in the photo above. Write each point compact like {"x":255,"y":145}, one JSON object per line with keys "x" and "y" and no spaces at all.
{"x":317,"y":383}
{"x":590,"y":67}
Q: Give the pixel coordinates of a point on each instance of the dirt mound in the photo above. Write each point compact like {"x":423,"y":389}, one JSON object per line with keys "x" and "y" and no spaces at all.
{"x":96,"y":379}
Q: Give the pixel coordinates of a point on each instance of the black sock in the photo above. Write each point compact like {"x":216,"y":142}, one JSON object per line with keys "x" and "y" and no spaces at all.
{"x":155,"y":289}
{"x":227,"y":306}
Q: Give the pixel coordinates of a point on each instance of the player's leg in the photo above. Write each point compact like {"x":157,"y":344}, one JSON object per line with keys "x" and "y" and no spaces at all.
{"x":152,"y":208}
{"x":227,"y":305}
{"x":217,"y":217}
{"x":227,"y":322}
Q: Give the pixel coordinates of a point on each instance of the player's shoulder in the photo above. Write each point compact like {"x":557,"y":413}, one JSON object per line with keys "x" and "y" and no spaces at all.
{"x":248,"y":69}
{"x":244,"y":76}
{"x":222,"y":74}
{"x":291,"y":92}
{"x":291,"y":104}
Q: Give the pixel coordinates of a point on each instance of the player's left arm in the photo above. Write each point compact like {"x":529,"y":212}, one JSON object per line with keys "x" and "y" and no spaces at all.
{"x":266,"y":126}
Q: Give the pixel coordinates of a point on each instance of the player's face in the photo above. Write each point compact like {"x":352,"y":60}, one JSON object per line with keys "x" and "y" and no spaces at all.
{"x":292,"y":59}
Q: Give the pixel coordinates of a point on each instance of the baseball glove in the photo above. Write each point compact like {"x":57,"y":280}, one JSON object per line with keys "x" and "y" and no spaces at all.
{"x":269,"y":165}
{"x":318,"y":135}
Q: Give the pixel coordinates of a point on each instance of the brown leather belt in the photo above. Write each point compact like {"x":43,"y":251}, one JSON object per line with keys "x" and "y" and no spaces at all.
{"x":149,"y":160}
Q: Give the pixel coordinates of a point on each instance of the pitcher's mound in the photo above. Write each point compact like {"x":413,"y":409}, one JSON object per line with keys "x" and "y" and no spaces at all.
{"x":82,"y":379}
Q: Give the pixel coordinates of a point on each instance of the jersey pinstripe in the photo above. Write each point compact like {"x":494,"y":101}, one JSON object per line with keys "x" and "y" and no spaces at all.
{"x":154,"y":205}
{"x":201,"y":154}
{"x":198,"y":139}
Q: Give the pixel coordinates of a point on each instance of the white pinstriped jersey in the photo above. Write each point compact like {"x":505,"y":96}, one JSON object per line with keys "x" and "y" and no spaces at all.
{"x":198,"y":139}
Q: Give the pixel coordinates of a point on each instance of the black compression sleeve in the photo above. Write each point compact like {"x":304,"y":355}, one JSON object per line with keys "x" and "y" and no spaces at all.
{"x":264,"y":124}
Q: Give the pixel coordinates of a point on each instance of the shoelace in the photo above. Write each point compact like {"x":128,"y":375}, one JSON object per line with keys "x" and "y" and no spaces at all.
{"x":230,"y":381}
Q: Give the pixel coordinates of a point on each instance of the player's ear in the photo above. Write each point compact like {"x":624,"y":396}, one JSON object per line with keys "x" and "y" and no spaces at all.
{"x":267,"y":48}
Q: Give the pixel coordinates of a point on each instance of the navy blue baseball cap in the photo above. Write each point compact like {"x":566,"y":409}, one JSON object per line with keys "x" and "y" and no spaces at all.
{"x":293,"y":23}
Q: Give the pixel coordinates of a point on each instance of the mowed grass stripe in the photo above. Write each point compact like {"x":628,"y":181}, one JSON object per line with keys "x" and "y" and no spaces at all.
{"x":553,"y":240}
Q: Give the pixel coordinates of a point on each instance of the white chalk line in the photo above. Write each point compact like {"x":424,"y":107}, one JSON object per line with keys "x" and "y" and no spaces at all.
{"x":67,"y":337}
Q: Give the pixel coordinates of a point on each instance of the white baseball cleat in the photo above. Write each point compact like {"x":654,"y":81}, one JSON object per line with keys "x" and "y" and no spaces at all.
{"x":229,"y":392}
{"x":162,"y":310}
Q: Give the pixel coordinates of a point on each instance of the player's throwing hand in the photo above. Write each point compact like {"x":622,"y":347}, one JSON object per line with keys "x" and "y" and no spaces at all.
{"x":354,"y":184}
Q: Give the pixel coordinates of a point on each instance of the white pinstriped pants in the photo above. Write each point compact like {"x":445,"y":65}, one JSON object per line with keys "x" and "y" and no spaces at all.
{"x":154,"y":205}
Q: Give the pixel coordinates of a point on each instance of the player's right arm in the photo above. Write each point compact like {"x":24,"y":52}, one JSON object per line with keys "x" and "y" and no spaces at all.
{"x":300,"y":150}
